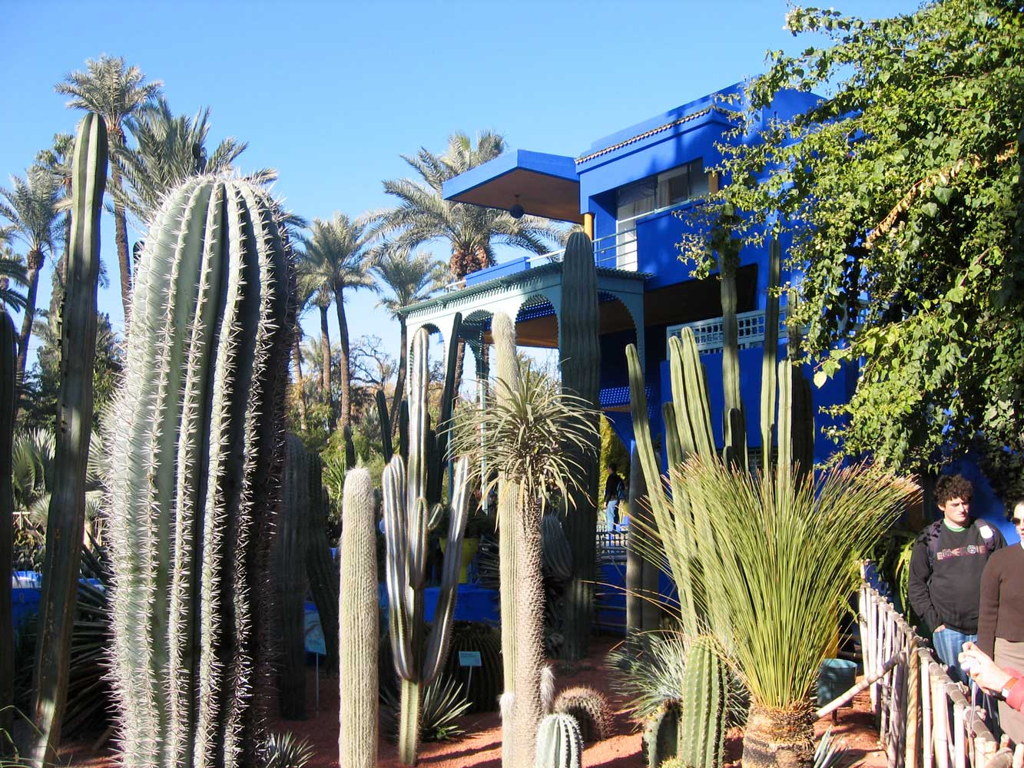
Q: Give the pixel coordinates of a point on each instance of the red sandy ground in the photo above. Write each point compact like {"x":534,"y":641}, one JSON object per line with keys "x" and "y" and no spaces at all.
{"x":481,"y":746}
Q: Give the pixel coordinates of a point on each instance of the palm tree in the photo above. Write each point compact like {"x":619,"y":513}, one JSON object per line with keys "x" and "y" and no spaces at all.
{"x":471,"y":231}
{"x":335,"y":258}
{"x":57,"y":160}
{"x":11,"y":270}
{"x":115,"y":92}
{"x":410,"y":278}
{"x":33,"y":208}
{"x":170,"y":149}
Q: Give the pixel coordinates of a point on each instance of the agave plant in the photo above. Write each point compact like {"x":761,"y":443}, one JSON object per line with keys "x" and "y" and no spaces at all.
{"x":779,"y":564}
{"x":284,"y":750}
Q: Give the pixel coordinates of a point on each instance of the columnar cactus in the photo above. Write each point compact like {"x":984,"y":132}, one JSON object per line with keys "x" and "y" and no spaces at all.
{"x":705,"y":696}
{"x":357,"y":741}
{"x":580,"y":351}
{"x":591,"y":710}
{"x":66,"y":516}
{"x":289,"y":579}
{"x":769,"y":382}
{"x":661,"y":734}
{"x":321,"y":569}
{"x":407,"y":519}
{"x":195,"y":442}
{"x":8,"y":393}
{"x":559,"y":743}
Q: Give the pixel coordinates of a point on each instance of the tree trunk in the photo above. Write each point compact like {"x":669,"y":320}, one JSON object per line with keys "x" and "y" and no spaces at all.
{"x":8,"y":393}
{"x":120,"y":225}
{"x":325,"y":361}
{"x":779,"y":737}
{"x":299,"y":381}
{"x":346,"y":374}
{"x":403,"y":359}
{"x":34,"y":260}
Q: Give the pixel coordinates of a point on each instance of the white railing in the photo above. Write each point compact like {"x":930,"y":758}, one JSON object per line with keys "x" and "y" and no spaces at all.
{"x":924,"y":718}
{"x":709,"y":333}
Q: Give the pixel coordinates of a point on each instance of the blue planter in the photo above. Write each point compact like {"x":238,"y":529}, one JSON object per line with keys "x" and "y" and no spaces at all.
{"x":835,"y":677}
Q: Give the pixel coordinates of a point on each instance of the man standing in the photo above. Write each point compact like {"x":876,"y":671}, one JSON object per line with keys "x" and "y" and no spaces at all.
{"x":611,"y":496}
{"x":945,"y":571}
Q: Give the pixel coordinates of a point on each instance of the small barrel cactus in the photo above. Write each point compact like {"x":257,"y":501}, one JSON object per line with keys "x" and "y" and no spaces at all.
{"x":195,"y":440}
{"x":559,"y":743}
{"x":359,"y":639}
{"x":591,"y":710}
{"x":486,"y":683}
{"x":661,"y":734}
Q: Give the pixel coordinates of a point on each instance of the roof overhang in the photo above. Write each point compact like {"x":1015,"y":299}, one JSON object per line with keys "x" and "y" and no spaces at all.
{"x":544,"y":185}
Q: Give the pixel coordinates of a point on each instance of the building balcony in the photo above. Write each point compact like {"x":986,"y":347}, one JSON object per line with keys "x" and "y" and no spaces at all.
{"x":710,"y":337}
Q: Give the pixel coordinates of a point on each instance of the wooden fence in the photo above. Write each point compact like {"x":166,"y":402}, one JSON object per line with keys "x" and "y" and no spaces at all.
{"x":925,"y":720}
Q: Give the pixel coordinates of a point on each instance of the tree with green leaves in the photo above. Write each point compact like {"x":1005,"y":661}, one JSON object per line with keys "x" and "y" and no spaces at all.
{"x":334,"y":258}
{"x":11,"y":271}
{"x":32,"y":206}
{"x":410,"y":278}
{"x":471,"y":231}
{"x":115,"y":92}
{"x":902,"y":191}
{"x":169,"y":149}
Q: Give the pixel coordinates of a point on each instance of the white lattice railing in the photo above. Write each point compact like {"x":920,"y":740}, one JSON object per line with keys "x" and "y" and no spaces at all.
{"x":709,"y":334}
{"x":925,"y":720}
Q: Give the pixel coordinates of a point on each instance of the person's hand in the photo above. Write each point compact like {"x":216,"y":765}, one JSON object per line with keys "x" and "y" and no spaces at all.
{"x":982,"y":669}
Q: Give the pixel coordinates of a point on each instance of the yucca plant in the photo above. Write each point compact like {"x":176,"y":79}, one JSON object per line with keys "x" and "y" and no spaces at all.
{"x":779,"y":563}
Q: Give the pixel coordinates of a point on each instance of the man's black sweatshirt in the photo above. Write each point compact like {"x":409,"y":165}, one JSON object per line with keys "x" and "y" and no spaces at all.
{"x":945,"y":575}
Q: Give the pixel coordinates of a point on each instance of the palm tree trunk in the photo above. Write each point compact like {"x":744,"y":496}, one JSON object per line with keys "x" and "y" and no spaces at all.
{"x":403,"y":358}
{"x":325,"y":362}
{"x":779,"y":737}
{"x":299,"y":381}
{"x":120,"y":223}
{"x":34,"y":260}
{"x":346,"y":374}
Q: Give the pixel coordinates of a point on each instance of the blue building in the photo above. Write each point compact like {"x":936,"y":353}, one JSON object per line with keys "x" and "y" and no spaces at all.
{"x":625,"y":191}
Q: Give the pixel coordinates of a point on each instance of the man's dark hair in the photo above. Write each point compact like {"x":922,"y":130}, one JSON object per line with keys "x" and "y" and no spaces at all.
{"x":953,"y":487}
{"x":612,"y":467}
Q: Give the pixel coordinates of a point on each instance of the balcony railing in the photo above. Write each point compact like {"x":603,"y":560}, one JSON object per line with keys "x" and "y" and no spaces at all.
{"x":709,"y":334}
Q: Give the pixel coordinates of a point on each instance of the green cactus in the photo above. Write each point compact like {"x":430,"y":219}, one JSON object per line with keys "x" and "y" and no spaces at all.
{"x":591,"y":710}
{"x":66,"y":516}
{"x":734,"y":427}
{"x":288,"y":574}
{"x":321,"y":569}
{"x":580,"y":353}
{"x":661,"y":734}
{"x":8,"y":394}
{"x":484,"y":687}
{"x":769,"y":380}
{"x":705,"y":690}
{"x":407,"y":515}
{"x":555,"y":549}
{"x":559,"y":743}
{"x":357,"y":742}
{"x":196,"y":441}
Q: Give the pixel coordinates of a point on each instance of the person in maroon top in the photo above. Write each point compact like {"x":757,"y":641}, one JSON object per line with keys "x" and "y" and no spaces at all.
{"x":1005,"y":684}
{"x":1001,"y":616}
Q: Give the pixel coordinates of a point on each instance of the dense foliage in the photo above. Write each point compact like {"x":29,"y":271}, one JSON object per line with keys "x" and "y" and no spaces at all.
{"x":901,"y":191}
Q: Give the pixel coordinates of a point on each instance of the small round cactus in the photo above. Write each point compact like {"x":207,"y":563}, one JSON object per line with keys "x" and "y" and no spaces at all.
{"x":559,"y":743}
{"x":591,"y":710}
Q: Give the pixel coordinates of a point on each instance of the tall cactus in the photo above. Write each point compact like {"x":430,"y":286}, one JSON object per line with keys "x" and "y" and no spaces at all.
{"x":8,"y":393}
{"x":580,"y":351}
{"x":195,"y":440}
{"x":321,"y":569}
{"x":66,"y":517}
{"x":407,"y":518}
{"x":357,"y":740}
{"x":769,"y":381}
{"x":289,"y":579}
{"x":705,"y":691}
{"x":559,"y":742}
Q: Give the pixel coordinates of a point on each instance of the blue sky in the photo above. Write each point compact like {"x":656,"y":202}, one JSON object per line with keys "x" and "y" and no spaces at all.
{"x":332,"y":93}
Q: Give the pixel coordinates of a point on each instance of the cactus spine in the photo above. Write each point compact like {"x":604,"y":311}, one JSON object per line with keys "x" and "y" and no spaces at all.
{"x":407,"y":516}
{"x":66,"y":516}
{"x":591,"y":710}
{"x":705,"y":696}
{"x":321,"y":570}
{"x":559,"y":743}
{"x":195,"y":440}
{"x":581,"y":365}
{"x":289,"y":551}
{"x":357,"y":741}
{"x":8,"y":393}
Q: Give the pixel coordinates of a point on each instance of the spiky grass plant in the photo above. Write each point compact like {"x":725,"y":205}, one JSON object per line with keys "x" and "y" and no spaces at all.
{"x":779,"y":564}
{"x":284,"y":750}
{"x":650,"y":671}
